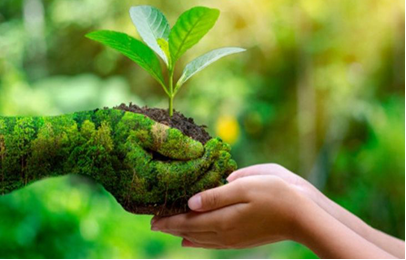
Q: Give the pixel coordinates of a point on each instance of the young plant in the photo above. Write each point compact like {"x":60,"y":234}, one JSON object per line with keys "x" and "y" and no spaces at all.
{"x":169,"y":44}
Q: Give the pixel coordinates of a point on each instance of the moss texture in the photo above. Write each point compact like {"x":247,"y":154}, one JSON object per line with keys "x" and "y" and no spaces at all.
{"x":148,"y":167}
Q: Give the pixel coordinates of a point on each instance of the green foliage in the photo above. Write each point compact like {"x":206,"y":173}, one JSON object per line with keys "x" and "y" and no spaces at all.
{"x":169,"y":44}
{"x":132,"y":48}
{"x":2,"y":154}
{"x":152,"y":26}
{"x":203,"y":61}
{"x":190,"y":28}
{"x":45,"y":149}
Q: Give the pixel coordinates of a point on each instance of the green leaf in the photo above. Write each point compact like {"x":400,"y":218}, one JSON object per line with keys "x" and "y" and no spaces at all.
{"x":164,"y":45}
{"x":132,"y":48}
{"x":190,"y":28}
{"x":203,"y":61}
{"x":151,"y":24}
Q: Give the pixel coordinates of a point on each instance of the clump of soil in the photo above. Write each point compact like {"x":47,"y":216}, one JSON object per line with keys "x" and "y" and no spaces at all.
{"x":186,"y":125}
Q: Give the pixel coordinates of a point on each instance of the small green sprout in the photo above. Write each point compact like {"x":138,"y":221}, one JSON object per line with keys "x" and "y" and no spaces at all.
{"x":169,"y":44}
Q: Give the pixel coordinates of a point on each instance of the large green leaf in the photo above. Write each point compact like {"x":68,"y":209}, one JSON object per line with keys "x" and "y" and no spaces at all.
{"x":152,"y":25}
{"x":132,"y":48}
{"x":190,"y":28}
{"x":203,"y":61}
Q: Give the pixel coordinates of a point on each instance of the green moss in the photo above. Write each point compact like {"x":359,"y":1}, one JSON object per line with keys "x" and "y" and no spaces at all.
{"x":116,"y":149}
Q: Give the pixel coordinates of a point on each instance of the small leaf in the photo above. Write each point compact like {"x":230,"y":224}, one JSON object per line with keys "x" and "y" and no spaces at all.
{"x":132,"y":48}
{"x":190,"y":28}
{"x":151,"y":24}
{"x":203,"y":61}
{"x":163,"y":44}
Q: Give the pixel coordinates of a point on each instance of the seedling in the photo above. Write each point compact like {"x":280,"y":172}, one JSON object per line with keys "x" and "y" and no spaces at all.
{"x":169,"y":44}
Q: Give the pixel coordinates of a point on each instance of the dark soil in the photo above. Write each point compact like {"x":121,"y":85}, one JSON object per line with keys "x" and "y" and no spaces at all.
{"x":186,"y":125}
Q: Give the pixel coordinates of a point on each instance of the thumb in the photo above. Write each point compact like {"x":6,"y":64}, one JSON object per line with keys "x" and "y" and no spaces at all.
{"x":172,"y":143}
{"x":167,"y":141}
{"x":219,"y":197}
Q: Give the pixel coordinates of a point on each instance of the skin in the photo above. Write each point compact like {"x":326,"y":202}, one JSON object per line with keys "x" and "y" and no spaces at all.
{"x":264,"y":204}
{"x":116,"y":149}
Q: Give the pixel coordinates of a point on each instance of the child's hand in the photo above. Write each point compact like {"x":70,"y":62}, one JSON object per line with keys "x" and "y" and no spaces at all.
{"x":247,"y":212}
{"x":295,"y":181}
{"x":390,"y":244}
{"x":267,"y":203}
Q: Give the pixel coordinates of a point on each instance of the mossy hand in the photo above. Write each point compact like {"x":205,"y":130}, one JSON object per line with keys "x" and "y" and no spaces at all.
{"x":148,"y":167}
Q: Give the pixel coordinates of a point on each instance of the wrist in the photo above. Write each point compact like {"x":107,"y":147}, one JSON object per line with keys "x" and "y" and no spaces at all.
{"x":310,"y":222}
{"x":319,"y":231}
{"x":302,"y":219}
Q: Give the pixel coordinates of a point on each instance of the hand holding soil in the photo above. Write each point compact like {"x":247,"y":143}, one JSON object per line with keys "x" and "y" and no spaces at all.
{"x":149,"y":167}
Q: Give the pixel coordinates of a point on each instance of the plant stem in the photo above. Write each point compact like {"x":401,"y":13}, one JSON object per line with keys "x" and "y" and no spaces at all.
{"x":171,"y":106}
{"x":171,"y":94}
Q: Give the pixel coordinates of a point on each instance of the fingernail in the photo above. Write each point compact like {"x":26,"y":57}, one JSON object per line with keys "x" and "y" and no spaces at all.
{"x":154,"y":228}
{"x":195,"y":202}
{"x":154,"y":220}
{"x":187,"y":243}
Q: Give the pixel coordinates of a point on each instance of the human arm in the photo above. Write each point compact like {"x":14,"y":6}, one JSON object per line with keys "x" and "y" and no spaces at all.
{"x":388,"y":243}
{"x":148,"y":167}
{"x":258,"y":210}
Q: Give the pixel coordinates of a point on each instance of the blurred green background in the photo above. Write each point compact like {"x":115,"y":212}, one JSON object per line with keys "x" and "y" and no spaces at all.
{"x":321,"y":90}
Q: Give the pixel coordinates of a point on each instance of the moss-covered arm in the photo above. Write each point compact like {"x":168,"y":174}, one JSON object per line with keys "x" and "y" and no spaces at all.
{"x":148,"y":167}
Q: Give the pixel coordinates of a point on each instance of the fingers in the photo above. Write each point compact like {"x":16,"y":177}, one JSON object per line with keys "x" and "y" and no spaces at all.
{"x":243,"y":172}
{"x":260,"y":169}
{"x":179,"y":176}
{"x":194,"y":222}
{"x":160,"y":138}
{"x":212,"y":229}
{"x":184,"y":222}
{"x":188,"y":243}
{"x":216,"y":198}
{"x":195,"y":175}
{"x":171,"y":143}
{"x":172,"y":180}
{"x":216,"y":175}
{"x":208,"y":238}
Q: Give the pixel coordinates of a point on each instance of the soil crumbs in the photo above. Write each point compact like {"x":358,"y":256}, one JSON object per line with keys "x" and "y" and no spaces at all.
{"x":186,"y":125}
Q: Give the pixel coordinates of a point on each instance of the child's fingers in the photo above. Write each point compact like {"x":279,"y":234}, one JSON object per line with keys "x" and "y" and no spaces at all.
{"x":189,"y":244}
{"x":244,"y":172}
{"x":219,"y":197}
{"x":189,"y":222}
{"x":261,"y":169}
